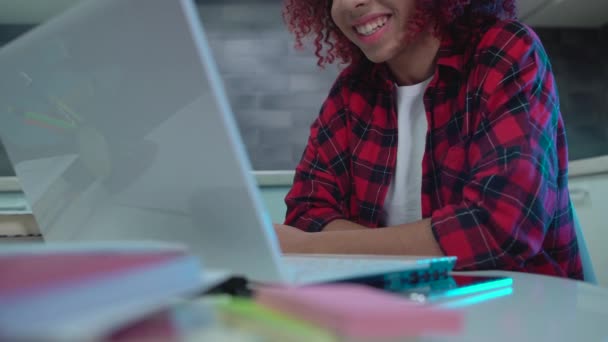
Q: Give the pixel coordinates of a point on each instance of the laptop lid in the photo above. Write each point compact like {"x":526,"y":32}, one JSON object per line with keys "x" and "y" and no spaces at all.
{"x":118,"y":128}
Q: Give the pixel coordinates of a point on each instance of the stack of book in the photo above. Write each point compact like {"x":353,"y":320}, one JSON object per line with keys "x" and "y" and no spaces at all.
{"x":85,"y":291}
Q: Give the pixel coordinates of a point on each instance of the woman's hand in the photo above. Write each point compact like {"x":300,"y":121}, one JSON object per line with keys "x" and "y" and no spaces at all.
{"x":293,"y":240}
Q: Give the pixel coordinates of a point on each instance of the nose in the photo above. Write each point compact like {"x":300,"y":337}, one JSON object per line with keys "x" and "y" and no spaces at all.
{"x":352,"y":8}
{"x":356,"y":3}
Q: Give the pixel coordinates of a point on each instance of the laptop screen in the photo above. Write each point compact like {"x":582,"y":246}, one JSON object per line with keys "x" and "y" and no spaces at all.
{"x":119,"y":129}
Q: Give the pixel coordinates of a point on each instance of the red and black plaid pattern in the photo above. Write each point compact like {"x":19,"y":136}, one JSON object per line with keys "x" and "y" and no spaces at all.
{"x":495,"y":167}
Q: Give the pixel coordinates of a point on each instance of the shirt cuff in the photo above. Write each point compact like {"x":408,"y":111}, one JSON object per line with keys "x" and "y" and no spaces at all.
{"x":458,"y":234}
{"x":314,"y":220}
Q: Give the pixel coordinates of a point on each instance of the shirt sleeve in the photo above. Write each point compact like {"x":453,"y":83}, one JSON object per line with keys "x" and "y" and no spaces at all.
{"x":511,"y":194}
{"x":317,"y":196}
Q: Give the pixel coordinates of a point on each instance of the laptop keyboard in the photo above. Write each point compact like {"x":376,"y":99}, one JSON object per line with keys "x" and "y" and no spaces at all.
{"x":328,"y":268}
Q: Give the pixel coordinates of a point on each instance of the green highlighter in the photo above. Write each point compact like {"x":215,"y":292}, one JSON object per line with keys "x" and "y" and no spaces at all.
{"x":243,"y":313}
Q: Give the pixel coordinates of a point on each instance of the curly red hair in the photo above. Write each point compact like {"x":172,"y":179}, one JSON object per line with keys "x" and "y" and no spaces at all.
{"x":312,"y":18}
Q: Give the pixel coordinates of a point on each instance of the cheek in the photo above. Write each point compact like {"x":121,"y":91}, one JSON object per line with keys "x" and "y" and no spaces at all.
{"x":336,"y":20}
{"x":335,"y":16}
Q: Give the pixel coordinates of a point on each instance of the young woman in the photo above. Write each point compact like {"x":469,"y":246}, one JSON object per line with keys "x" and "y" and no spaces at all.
{"x":444,"y":130}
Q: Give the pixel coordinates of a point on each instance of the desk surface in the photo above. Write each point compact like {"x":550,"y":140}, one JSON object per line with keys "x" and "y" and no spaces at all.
{"x":539,"y":308}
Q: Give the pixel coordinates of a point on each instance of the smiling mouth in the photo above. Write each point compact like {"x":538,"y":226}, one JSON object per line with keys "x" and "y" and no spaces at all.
{"x":371,"y":27}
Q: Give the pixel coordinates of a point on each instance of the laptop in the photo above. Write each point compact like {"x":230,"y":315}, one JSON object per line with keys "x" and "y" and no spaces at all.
{"x":116,"y":121}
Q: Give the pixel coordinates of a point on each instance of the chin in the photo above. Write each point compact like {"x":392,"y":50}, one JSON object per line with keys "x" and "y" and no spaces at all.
{"x":376,"y":58}
{"x":380,"y":55}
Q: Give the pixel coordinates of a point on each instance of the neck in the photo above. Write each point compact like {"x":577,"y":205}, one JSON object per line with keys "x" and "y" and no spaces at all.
{"x":417,"y":63}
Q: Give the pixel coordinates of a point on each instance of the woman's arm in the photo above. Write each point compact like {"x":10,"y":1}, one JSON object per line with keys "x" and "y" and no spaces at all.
{"x":342,"y":225}
{"x":408,"y":239}
{"x":319,"y":194}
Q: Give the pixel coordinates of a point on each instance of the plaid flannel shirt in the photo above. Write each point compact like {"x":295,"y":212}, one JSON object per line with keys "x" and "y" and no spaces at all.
{"x":495,"y":180}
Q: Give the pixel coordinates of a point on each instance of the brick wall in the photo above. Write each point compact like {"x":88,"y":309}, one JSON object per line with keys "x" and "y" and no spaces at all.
{"x":581,"y":70}
{"x":275,"y":91}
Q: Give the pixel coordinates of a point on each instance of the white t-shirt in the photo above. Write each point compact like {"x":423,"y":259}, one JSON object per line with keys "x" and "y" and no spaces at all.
{"x":403,"y":203}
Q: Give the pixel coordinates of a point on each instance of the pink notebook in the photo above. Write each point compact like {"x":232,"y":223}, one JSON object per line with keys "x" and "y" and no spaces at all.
{"x":23,"y":274}
{"x":60,"y":291}
{"x":360,"y":311}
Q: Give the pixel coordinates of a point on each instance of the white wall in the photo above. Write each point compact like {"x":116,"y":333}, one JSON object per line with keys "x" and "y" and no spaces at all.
{"x":590,"y":197}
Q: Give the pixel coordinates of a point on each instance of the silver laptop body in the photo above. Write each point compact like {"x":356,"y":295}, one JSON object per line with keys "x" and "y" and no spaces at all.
{"x":116,"y":121}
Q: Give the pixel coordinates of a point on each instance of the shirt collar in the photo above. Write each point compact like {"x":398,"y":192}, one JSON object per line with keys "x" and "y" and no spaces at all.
{"x":450,"y":55}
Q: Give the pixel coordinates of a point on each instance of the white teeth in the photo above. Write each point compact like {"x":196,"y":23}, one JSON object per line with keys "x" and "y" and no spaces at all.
{"x":370,"y":28}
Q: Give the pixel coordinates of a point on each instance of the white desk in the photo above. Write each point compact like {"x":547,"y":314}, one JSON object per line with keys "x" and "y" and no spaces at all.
{"x":539,"y":308}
